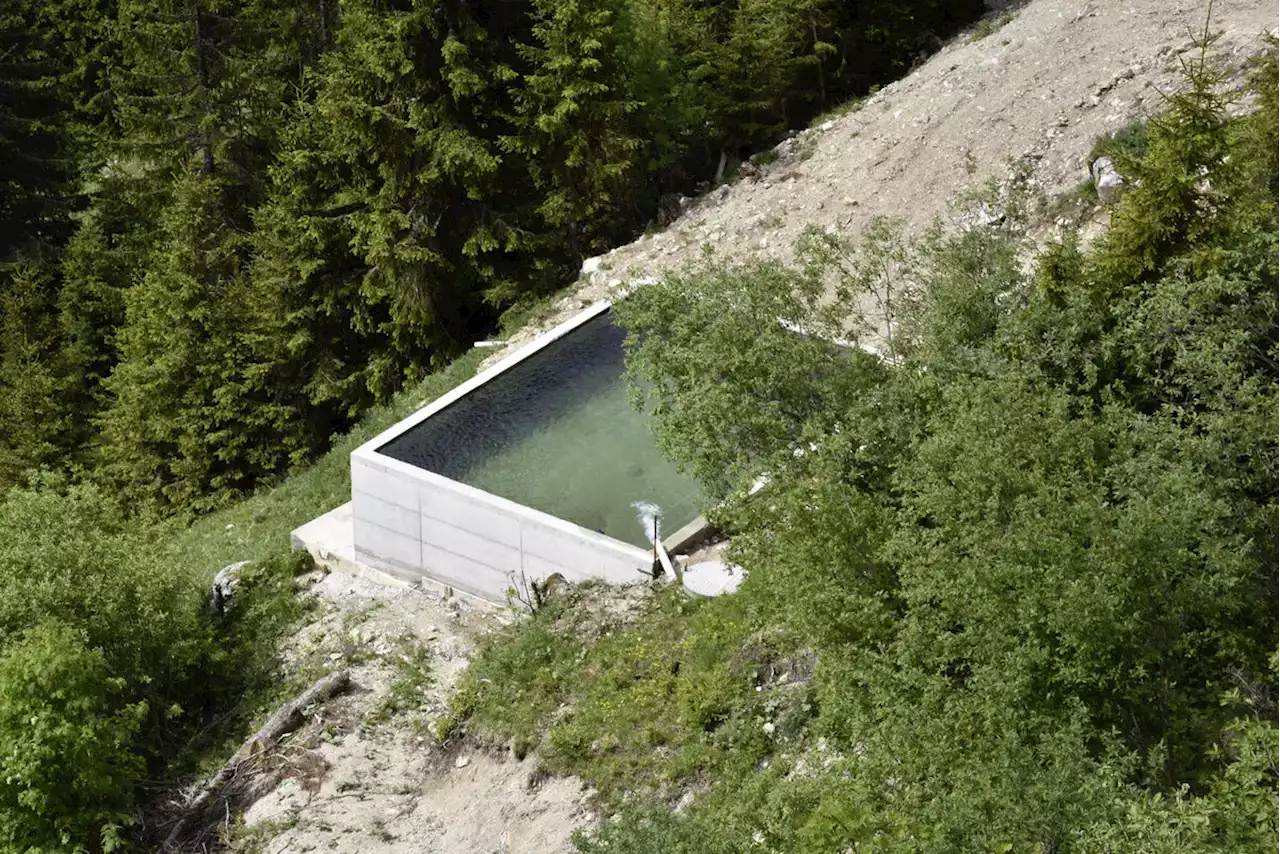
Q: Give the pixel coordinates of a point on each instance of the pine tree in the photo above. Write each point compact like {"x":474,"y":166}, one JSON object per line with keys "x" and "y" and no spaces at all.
{"x":201,"y":104}
{"x":576,"y":121}
{"x":32,"y":423}
{"x":393,"y":214}
{"x":36,"y":168}
{"x":192,"y":422}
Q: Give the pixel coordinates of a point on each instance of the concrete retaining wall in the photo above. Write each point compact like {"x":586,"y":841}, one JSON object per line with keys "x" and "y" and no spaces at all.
{"x":413,"y":523}
{"x":410,"y":522}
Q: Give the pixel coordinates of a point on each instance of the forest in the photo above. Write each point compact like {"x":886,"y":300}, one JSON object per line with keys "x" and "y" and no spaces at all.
{"x":231,"y":231}
{"x":231,"y":226}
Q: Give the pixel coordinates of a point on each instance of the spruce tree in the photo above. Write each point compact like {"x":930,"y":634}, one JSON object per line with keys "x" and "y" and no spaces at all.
{"x":191,"y":423}
{"x":32,"y":422}
{"x":393,"y":215}
{"x":576,"y":121}
{"x":36,"y":167}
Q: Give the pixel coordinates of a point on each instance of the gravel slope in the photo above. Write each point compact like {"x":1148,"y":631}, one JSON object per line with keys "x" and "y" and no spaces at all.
{"x":1038,"y":92}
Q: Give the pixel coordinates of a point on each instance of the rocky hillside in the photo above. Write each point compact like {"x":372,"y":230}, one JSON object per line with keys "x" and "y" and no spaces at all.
{"x":1030,"y":90}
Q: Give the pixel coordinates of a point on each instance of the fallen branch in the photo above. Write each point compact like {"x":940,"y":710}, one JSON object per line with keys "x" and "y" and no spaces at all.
{"x":286,"y":719}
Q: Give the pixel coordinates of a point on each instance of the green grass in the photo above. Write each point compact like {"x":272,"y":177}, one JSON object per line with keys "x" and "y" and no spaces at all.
{"x":989,"y":26}
{"x":1073,"y":205}
{"x":267,"y":607}
{"x":259,"y":526}
{"x":764,"y":158}
{"x":1128,"y":143}
{"x":413,"y":660}
{"x":680,"y":693}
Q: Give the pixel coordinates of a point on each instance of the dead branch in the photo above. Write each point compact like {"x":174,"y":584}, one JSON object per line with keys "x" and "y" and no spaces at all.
{"x":286,"y":719}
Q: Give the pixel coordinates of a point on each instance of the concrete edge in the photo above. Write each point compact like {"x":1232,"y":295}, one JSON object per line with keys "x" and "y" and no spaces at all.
{"x":536,"y":345}
{"x":690,"y":537}
{"x":480,"y":496}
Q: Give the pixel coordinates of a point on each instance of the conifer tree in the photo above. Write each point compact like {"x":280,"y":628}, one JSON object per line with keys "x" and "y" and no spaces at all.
{"x":393,"y":215}
{"x":36,"y":166}
{"x":576,"y":120}
{"x":191,"y":422}
{"x":32,"y":422}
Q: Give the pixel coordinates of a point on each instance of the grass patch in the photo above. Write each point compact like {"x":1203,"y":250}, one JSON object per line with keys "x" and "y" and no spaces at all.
{"x":1073,"y":206}
{"x":412,"y":680}
{"x":267,"y":607}
{"x":840,"y":110}
{"x":764,"y":158}
{"x":259,"y":526}
{"x":1127,"y":144}
{"x":681,"y":693}
{"x":990,"y":26}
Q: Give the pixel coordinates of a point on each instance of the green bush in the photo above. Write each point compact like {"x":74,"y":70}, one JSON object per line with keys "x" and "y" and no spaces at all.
{"x":113,"y":661}
{"x":71,"y":555}
{"x":1032,"y":549}
{"x":66,"y":733}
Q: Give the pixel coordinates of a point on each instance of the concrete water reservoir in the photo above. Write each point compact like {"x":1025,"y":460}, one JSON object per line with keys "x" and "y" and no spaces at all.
{"x":536,"y":466}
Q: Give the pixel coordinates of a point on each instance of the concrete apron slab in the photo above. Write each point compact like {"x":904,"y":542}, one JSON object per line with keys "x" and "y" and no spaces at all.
{"x":330,"y":540}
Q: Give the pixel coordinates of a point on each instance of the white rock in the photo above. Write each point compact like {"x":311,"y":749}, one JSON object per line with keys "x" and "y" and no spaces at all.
{"x":461,"y":762}
{"x":1106,"y":180}
{"x":590,"y":265}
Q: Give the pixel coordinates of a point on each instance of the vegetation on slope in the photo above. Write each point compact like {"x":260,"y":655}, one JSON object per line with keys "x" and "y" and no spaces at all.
{"x":230,"y":230}
{"x":229,"y":227}
{"x":117,"y":678}
{"x":1012,"y":586}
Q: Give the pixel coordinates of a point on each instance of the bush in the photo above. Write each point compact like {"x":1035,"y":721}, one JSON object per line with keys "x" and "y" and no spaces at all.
{"x":113,"y":661}
{"x":1033,"y":549}
{"x":66,"y":732}
{"x":71,"y":555}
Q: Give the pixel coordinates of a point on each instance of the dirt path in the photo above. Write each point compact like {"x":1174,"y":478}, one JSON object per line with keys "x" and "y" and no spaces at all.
{"x":1037,"y":91}
{"x":364,"y":778}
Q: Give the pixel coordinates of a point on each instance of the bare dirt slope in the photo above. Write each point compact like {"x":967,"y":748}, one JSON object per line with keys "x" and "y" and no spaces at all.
{"x":365,"y":775}
{"x":1038,"y":91}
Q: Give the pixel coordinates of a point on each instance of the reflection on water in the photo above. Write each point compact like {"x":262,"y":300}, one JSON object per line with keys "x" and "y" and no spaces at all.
{"x":557,"y":433}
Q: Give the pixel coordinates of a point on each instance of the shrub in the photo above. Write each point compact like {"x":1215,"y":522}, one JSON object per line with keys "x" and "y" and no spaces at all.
{"x":66,"y":732}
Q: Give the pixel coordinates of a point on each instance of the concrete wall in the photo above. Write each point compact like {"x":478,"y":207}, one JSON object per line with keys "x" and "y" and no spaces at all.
{"x":410,"y":522}
{"x":415,"y":523}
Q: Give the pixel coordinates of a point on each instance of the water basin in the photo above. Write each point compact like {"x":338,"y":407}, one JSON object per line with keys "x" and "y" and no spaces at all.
{"x":556,"y":432}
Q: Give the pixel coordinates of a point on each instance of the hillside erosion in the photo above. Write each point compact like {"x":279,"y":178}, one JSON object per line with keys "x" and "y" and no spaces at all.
{"x":1033,"y":94}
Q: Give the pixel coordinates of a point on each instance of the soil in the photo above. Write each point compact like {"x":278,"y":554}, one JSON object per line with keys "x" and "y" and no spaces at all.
{"x":358,"y":780}
{"x":1032,"y":96}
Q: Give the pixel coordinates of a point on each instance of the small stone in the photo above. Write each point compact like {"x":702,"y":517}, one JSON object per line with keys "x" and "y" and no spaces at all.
{"x":590,"y":265}
{"x":461,"y":762}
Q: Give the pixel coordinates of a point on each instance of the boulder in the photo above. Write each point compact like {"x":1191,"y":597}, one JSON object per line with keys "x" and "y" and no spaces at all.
{"x":224,"y":586}
{"x":1106,"y":180}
